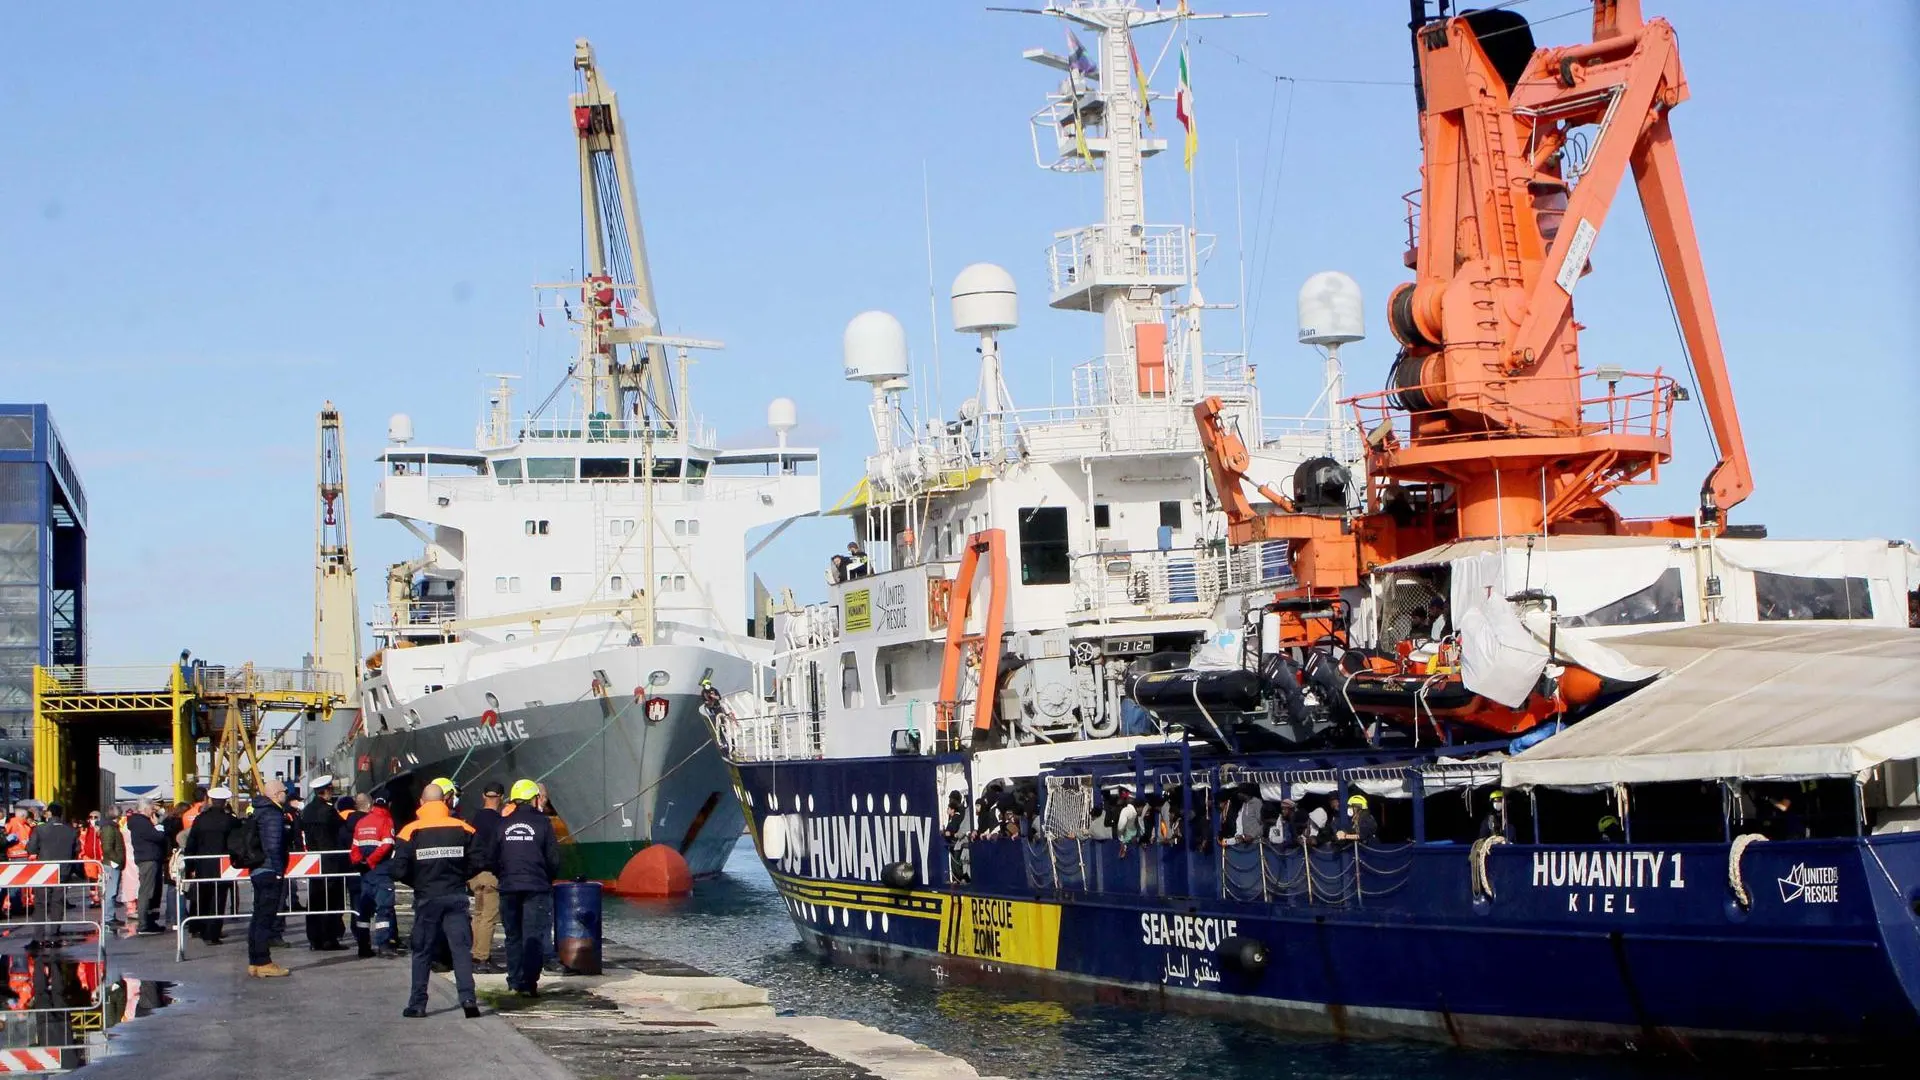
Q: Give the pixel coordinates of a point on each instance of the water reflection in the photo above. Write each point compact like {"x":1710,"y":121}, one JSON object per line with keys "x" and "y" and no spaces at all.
{"x":60,"y":1008}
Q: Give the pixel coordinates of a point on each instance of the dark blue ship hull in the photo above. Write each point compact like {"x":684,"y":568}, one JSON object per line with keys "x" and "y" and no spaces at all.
{"x":1584,"y":947}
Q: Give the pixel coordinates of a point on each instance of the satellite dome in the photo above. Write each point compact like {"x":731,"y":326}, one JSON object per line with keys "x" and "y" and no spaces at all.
{"x":400,"y":429}
{"x":874,"y":348}
{"x":984,"y":299}
{"x":1330,"y":311}
{"x":782,"y":415}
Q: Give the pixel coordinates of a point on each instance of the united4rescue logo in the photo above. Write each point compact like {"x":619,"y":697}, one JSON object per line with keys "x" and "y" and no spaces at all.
{"x":1810,"y":885}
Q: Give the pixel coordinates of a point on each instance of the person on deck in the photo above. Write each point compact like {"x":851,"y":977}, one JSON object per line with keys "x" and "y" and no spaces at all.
{"x":1360,"y":828}
{"x":1610,"y":831}
{"x":1495,"y":822}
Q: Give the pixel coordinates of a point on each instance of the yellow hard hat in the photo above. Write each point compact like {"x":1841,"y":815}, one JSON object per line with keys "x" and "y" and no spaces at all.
{"x":445,"y":785}
{"x":524,"y":791}
{"x":1357,"y":800}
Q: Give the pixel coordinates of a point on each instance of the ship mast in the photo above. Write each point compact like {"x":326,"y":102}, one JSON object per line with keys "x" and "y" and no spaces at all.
{"x":1123,"y":267}
{"x":623,"y":378}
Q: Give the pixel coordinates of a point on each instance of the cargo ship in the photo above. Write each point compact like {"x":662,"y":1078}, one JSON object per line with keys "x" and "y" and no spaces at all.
{"x":583,"y":574}
{"x":1433,"y":743}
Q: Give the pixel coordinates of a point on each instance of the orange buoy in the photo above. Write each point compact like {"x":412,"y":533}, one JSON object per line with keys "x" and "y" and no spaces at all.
{"x":656,"y":870}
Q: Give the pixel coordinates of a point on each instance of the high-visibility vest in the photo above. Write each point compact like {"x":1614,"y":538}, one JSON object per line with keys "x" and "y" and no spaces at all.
{"x":19,"y":831}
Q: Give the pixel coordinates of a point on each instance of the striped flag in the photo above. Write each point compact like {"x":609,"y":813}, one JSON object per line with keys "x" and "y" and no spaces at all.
{"x":1140,"y":80}
{"x":1183,"y":108}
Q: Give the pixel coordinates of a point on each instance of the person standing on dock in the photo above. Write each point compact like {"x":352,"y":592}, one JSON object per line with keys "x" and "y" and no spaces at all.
{"x":434,"y":855}
{"x":320,"y":828}
{"x":149,"y":846}
{"x":373,"y":925}
{"x":56,"y":841}
{"x":204,"y":842}
{"x":270,"y":826}
{"x":113,"y":863}
{"x":527,"y":853}
{"x":484,"y":885}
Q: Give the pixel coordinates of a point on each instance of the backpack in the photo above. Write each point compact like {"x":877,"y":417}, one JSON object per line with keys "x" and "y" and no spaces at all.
{"x":248,"y":852}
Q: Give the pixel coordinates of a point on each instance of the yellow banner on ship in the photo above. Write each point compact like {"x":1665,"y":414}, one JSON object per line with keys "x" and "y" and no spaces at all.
{"x":859,"y":612}
{"x":1012,"y":931}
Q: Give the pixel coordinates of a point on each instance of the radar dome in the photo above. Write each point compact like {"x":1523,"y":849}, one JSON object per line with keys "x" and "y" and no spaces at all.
{"x":1330,"y":311}
{"x":782,"y":415}
{"x":875,"y":348}
{"x":984,"y":299}
{"x":400,"y":429}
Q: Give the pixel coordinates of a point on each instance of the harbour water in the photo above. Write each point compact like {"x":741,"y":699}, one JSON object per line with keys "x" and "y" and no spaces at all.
{"x":737,"y":926}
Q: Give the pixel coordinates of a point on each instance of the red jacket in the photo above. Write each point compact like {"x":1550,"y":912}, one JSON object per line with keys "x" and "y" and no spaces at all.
{"x":373,"y":838}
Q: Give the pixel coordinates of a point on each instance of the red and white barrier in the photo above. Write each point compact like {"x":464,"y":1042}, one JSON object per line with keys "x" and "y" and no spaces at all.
{"x":299,"y":864}
{"x":29,"y":1061}
{"x":19,"y":875}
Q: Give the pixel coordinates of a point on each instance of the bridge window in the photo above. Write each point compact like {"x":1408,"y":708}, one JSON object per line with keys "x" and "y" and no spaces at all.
{"x":1786,"y":597}
{"x":604,"y":469}
{"x":1043,"y":546}
{"x":697,"y":470}
{"x":1659,"y":602}
{"x":507,"y":470}
{"x":550,"y":468}
{"x":663,"y":468}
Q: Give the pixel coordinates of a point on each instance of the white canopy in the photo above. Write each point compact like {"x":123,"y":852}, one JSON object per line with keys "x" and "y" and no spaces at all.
{"x":1750,"y":701}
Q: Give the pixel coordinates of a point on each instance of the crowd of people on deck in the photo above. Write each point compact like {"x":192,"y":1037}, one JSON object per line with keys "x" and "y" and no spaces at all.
{"x":473,"y":866}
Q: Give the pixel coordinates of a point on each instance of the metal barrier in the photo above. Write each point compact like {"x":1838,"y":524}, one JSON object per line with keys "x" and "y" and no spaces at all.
{"x":39,"y":1035}
{"x":301,"y":866}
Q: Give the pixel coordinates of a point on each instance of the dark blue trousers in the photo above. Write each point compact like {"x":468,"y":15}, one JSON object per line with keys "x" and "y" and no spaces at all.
{"x":528,"y":918}
{"x":269,"y":890}
{"x":437,"y":919}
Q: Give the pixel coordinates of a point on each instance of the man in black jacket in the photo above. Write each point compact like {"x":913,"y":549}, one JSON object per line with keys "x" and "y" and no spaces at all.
{"x":527,"y":857}
{"x":434,"y":855}
{"x":275,"y":824}
{"x":56,"y":841}
{"x":320,"y":826}
{"x":206,"y":841}
{"x":150,"y":856}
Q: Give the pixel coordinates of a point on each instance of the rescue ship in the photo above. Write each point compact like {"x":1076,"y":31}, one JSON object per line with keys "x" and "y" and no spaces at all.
{"x":1436,"y":744}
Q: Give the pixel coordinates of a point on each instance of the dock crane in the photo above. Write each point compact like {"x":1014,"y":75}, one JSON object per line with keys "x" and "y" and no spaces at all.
{"x":1485,"y":428}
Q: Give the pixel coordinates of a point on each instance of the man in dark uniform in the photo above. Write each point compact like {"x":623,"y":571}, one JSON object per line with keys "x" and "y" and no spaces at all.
{"x":207,"y":839}
{"x":320,"y":827}
{"x":434,"y":855}
{"x":526,"y":852}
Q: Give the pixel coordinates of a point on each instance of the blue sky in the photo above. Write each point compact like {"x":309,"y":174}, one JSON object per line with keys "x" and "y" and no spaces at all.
{"x":217,"y":218}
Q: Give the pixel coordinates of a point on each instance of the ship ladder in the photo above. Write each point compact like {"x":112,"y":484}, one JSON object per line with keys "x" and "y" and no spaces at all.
{"x":984,"y":647}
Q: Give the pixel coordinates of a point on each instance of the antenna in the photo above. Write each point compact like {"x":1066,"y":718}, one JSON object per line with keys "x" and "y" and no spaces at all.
{"x":1331,"y":315}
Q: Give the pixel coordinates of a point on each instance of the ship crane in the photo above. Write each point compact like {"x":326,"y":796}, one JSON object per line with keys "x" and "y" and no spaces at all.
{"x":336,"y":603}
{"x":1490,"y":426}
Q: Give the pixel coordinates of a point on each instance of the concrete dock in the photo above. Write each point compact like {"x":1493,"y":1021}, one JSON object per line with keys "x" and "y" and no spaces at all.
{"x":339,"y":1016}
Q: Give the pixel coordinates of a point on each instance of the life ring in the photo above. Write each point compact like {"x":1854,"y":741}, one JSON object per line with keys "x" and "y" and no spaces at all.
{"x":490,"y":718}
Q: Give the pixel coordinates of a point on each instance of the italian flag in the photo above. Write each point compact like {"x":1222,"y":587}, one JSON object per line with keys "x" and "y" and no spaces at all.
{"x":1183,"y":109}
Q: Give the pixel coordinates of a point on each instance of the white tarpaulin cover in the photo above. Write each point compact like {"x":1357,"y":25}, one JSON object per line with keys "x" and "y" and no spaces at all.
{"x":1751,"y":701}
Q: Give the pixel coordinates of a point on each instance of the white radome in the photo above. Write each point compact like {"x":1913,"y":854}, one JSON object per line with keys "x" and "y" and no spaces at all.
{"x":1330,"y":310}
{"x":400,"y":429}
{"x":984,"y":299}
{"x":874,"y":348}
{"x":783,"y":415}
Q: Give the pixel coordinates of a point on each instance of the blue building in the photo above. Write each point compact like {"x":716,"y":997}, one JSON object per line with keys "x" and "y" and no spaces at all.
{"x":43,"y":566}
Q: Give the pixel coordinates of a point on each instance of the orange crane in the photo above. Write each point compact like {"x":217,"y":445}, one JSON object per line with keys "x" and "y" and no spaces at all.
{"x":1487,"y":426}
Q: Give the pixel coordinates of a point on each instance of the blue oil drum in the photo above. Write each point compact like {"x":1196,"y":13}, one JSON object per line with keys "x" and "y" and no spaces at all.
{"x":576,"y":926}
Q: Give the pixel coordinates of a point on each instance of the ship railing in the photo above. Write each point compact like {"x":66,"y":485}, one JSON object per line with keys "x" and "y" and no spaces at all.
{"x":1178,"y":581}
{"x":779,"y":735}
{"x":1117,"y":255}
{"x":415,"y":613}
{"x":574,"y":427}
{"x":1635,"y":405}
{"x":816,"y":626}
{"x":200,"y":678}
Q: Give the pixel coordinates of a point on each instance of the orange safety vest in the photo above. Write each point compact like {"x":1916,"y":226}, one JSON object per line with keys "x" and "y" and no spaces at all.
{"x":186,"y":819}
{"x":19,"y":831}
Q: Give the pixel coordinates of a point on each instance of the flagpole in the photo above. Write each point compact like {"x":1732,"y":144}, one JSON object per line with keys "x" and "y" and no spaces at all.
{"x":1193,"y":232}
